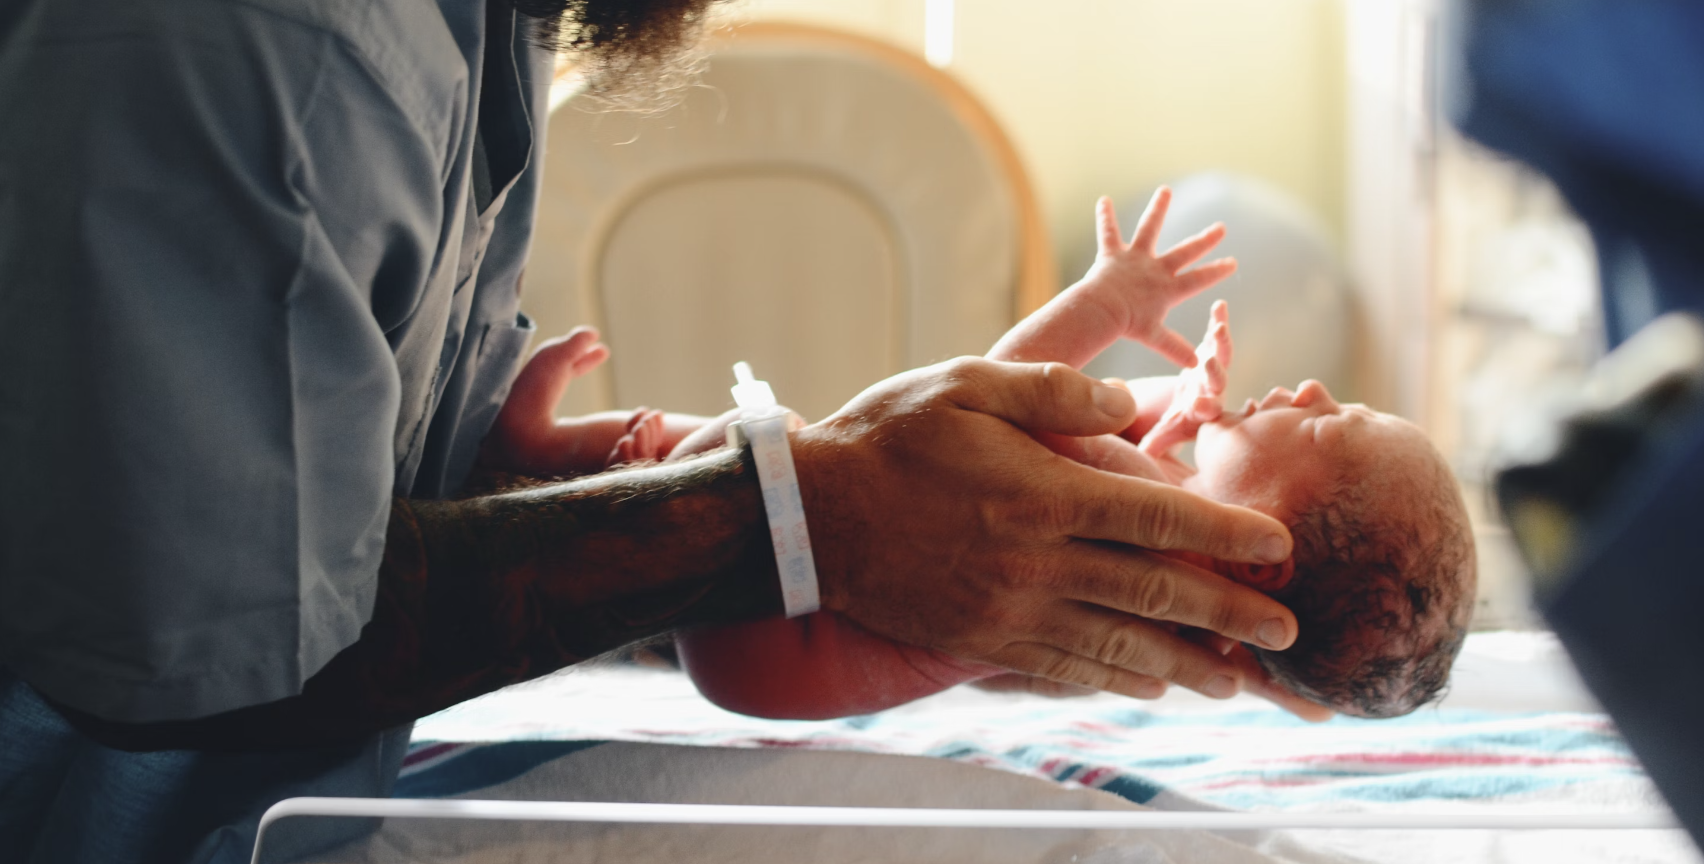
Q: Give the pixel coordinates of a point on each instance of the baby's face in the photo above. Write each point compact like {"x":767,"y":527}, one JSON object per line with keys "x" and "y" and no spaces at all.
{"x":1281,"y":454}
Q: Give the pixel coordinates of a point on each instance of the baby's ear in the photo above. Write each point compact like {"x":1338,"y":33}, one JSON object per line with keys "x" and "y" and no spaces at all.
{"x":1265,"y":578}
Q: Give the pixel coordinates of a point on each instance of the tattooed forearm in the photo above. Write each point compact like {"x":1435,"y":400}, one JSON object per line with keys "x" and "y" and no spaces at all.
{"x":608,"y":560}
{"x":483,"y":592}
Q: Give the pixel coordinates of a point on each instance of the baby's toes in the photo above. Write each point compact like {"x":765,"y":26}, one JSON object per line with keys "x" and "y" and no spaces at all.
{"x":648,"y":433}
{"x":642,"y":440}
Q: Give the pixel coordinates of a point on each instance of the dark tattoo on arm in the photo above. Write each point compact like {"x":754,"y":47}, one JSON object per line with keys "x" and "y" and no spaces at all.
{"x":484,"y":592}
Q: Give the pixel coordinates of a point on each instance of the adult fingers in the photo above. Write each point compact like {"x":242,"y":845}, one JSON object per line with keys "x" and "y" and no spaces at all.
{"x":1193,"y":249}
{"x":1044,"y":397}
{"x":1110,"y":453}
{"x":1158,"y":587}
{"x":1171,"y":345}
{"x":1106,"y":227}
{"x":1158,"y":516}
{"x":1258,"y":682}
{"x":1153,"y":219}
{"x":1017,"y":682}
{"x":1209,"y":639}
{"x":1134,"y":645}
{"x":1054,"y":664}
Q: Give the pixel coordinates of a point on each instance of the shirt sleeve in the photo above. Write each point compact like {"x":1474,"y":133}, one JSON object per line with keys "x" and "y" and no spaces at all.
{"x":211,"y":213}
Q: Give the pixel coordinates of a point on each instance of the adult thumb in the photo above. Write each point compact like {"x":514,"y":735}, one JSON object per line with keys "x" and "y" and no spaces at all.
{"x":1043,"y":397}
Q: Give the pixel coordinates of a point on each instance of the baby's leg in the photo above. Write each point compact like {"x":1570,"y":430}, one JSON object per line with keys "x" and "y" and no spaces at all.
{"x":527,"y":438}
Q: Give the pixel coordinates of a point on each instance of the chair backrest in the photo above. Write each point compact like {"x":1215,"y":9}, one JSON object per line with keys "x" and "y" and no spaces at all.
{"x":827,"y":207}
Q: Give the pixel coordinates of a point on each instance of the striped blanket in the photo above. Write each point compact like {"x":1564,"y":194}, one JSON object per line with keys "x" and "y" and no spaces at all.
{"x":1516,"y":734}
{"x":1183,"y":752}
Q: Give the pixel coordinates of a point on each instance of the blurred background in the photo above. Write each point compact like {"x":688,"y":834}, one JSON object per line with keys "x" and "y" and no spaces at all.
{"x":868,"y":185}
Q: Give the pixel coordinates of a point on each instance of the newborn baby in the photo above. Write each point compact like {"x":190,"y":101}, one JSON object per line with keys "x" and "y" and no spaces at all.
{"x":1382,"y":577}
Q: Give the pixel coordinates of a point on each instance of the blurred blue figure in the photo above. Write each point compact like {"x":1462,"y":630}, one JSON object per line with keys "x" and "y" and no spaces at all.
{"x":1607,"y":98}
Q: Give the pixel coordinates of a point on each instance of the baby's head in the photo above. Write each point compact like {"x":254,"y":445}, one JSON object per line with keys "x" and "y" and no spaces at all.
{"x":1384,"y":576}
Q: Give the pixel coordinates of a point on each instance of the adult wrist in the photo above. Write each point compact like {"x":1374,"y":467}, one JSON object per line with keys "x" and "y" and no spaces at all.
{"x":827,"y":472}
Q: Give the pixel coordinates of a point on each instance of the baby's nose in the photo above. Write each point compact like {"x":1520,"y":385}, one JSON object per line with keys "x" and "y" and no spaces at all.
{"x":1312,"y":393}
{"x":1279,"y":397}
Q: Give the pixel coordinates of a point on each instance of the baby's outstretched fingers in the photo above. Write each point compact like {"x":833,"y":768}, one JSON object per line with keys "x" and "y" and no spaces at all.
{"x":1216,"y":345}
{"x":1109,"y":238}
{"x":1170,"y":344}
{"x":1193,"y":249}
{"x":1193,"y":282}
{"x":1153,"y":219}
{"x":1214,"y":378}
{"x":1206,"y":409}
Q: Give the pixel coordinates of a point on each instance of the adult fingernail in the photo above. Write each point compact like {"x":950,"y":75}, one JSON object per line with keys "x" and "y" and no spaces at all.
{"x":1271,"y":634}
{"x":1113,"y":401}
{"x":1272,"y":550}
{"x":1221,"y":687}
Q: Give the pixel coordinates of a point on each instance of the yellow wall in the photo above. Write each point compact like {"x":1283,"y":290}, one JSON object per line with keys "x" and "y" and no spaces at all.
{"x":1114,"y":96}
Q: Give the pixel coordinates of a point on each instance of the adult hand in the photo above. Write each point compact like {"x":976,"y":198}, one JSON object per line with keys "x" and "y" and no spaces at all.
{"x":939,"y":521}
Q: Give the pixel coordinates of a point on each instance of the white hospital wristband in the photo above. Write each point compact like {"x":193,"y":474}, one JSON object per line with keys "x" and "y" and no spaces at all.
{"x":764,"y":424}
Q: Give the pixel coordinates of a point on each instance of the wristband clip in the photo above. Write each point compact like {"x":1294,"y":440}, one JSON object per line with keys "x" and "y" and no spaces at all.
{"x":764,"y":425}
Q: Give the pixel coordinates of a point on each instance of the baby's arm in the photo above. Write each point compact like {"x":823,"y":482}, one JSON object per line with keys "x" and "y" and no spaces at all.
{"x":1126,"y":293}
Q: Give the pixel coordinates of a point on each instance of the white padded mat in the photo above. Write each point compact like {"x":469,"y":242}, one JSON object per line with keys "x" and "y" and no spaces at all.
{"x":817,"y":213}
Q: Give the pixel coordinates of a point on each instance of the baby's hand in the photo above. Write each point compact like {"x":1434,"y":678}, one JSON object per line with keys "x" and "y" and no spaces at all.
{"x":1200,"y":394}
{"x":1142,"y":286}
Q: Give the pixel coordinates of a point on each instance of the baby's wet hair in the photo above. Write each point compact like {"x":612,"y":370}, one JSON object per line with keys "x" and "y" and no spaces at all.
{"x":1382,"y":600}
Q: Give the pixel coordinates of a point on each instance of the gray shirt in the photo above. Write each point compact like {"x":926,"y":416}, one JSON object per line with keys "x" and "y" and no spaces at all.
{"x":259,"y":266}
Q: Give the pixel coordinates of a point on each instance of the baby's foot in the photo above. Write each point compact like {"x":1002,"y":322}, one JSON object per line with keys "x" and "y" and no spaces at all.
{"x":527,"y":419}
{"x":641,"y":442}
{"x":526,"y":438}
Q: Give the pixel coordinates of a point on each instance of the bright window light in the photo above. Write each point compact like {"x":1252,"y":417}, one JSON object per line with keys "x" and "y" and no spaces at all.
{"x":938,"y":32}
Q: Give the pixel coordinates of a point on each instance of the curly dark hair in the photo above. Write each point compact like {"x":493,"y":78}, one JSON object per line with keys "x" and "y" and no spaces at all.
{"x":1382,"y":601}
{"x":636,"y":54}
